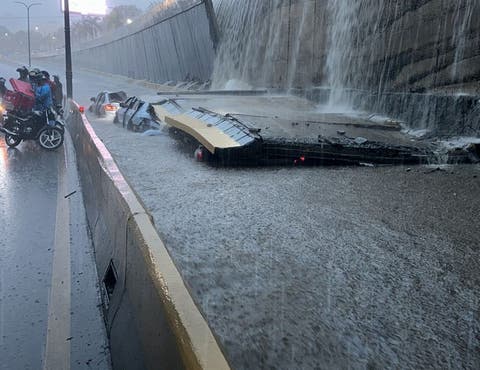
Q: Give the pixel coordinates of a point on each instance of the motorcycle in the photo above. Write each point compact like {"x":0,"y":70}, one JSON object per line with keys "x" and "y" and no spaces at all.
{"x":44,"y":127}
{"x":58,"y":108}
{"x":21,"y":123}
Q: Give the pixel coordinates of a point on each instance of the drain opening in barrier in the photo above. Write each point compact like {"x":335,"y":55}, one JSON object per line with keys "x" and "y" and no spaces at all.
{"x":109,"y":282}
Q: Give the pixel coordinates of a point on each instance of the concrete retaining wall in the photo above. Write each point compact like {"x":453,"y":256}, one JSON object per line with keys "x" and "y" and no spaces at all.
{"x":442,"y":115}
{"x":175,"y":48}
{"x":150,"y":316}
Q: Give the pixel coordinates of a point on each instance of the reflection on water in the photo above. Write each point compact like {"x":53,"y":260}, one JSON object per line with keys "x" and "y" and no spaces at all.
{"x":5,"y":211}
{"x":3,"y":167}
{"x":5,"y":154}
{"x":16,"y":167}
{"x":3,"y":159}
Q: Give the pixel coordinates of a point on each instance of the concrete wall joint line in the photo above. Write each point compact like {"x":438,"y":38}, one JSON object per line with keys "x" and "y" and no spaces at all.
{"x":214,"y":30}
{"x":124,"y":288}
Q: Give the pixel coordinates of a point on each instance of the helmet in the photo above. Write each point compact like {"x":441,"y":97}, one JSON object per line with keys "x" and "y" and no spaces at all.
{"x":34,"y":76}
{"x":46,"y":74}
{"x":2,"y":80}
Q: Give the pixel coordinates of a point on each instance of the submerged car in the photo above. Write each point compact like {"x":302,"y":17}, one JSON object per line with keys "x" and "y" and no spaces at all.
{"x":136,"y":115}
{"x":126,"y":106}
{"x":106,"y":104}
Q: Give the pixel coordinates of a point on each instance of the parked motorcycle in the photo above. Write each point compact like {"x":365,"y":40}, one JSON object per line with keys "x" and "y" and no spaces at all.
{"x":21,"y":123}
{"x":43,"y":127}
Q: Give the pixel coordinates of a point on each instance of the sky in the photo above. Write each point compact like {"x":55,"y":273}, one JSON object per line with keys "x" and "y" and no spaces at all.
{"x":47,"y":17}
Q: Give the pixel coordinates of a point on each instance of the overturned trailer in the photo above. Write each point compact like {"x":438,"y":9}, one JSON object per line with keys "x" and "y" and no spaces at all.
{"x":254,"y":128}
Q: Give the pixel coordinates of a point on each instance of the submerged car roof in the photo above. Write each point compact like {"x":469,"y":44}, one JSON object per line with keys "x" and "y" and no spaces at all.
{"x":119,"y":96}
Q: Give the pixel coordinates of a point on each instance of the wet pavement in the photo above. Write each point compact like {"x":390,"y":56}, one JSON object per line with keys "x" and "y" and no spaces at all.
{"x":49,"y":302}
{"x":316,"y":267}
{"x":28,"y":185}
{"x":319,"y":267}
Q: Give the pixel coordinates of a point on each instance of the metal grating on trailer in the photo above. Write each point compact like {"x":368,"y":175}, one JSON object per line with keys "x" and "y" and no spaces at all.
{"x":167,"y":107}
{"x":212,"y":130}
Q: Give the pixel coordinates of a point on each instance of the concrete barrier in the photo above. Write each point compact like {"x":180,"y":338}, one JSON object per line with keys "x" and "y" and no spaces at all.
{"x":150,"y":315}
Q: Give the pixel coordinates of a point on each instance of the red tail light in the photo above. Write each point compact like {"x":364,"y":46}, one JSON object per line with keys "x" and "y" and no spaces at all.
{"x":110,"y":107}
{"x":300,"y":160}
{"x":199,"y":154}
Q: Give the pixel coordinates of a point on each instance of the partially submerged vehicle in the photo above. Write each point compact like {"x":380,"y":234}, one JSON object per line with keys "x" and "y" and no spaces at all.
{"x":106,"y":104}
{"x":137,"y":115}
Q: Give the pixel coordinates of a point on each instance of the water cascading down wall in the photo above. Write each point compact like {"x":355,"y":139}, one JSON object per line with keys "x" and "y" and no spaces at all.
{"x":270,"y":43}
{"x":410,"y":59}
{"x":364,"y":44}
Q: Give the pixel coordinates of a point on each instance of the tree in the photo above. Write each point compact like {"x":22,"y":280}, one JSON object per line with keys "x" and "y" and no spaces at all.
{"x":5,"y":40}
{"x":88,"y":28}
{"x":119,"y":15}
{"x":4,"y":30}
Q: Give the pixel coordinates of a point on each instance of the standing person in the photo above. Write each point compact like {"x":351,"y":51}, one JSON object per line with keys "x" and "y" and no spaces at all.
{"x":58,"y":93}
{"x":23,"y":74}
{"x":43,"y":95}
{"x":52,"y":85}
{"x":34,"y":78}
{"x":3,"y":88}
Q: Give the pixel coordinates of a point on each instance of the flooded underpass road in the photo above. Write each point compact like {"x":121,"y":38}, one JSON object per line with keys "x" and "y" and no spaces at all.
{"x":306,"y":268}
{"x":49,"y":314}
{"x":329,"y":268}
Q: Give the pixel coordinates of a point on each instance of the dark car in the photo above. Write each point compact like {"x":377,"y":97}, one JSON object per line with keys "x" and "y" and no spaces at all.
{"x":137,"y":115}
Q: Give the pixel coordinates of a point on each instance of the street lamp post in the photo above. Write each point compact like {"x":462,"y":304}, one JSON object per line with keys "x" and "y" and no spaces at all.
{"x":68,"y":51}
{"x":28,"y":28}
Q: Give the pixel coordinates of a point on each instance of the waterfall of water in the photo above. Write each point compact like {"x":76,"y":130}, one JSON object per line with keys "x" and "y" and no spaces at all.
{"x":354,"y":30}
{"x":341,"y":40}
{"x":250,"y":38}
{"x":462,"y":25}
{"x":381,"y":46}
{"x":299,"y":42}
{"x":260,"y":42}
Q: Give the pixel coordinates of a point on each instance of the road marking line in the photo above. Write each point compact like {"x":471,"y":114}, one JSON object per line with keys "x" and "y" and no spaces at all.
{"x":57,"y":351}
